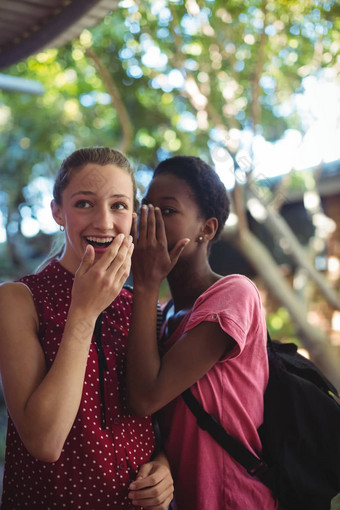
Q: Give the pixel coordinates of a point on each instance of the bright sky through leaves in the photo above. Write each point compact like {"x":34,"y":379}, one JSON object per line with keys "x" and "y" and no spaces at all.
{"x":184,"y":70}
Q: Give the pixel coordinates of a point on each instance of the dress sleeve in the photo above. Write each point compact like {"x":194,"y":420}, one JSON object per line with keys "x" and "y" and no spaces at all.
{"x":234,"y":302}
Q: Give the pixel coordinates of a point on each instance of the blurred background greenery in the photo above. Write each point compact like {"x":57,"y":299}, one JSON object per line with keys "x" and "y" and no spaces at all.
{"x":166,"y":77}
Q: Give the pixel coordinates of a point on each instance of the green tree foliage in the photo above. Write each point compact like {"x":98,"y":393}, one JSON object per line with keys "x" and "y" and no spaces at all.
{"x":158,"y":78}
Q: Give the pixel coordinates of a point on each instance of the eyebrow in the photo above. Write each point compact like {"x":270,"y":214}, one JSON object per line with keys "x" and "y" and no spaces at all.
{"x":92,"y":193}
{"x":147,"y":201}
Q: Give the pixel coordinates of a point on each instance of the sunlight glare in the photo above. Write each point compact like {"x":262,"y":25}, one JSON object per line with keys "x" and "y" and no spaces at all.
{"x":29,"y":227}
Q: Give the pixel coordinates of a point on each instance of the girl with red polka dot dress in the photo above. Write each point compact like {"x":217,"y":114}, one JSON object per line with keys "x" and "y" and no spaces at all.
{"x":71,"y":442}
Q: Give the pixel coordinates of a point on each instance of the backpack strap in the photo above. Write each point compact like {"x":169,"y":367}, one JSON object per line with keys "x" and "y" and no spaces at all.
{"x":254,"y":465}
{"x":166,"y":309}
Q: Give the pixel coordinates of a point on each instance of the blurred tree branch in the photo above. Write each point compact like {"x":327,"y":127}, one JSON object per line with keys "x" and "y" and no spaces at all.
{"x":117,"y":102}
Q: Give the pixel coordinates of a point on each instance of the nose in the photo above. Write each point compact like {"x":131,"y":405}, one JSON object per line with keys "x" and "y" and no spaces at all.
{"x":103,"y":218}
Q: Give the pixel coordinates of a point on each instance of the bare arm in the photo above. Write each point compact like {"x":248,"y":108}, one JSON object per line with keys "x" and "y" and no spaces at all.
{"x":43,"y":404}
{"x":153,"y":381}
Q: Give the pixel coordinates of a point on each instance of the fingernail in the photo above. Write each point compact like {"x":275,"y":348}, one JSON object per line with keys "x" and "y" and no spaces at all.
{"x":144,"y":206}
{"x":130,"y":238}
{"x":120,"y":237}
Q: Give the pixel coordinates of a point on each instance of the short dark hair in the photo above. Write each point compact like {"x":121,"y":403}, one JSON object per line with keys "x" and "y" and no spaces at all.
{"x":209,"y":191}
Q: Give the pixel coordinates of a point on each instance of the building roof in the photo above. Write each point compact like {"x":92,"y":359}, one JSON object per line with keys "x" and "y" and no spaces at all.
{"x":29,"y":26}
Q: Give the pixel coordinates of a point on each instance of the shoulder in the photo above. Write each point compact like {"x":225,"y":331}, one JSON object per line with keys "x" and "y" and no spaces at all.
{"x":15,"y":299}
{"x":232,"y":298}
{"x":239,"y":283}
{"x":14,"y":290}
{"x":231,"y":287}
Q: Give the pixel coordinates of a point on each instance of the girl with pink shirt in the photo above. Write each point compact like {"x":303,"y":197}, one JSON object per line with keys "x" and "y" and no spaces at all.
{"x":213,"y":342}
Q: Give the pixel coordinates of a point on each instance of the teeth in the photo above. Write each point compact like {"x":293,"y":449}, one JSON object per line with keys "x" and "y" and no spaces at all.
{"x":100,"y":239}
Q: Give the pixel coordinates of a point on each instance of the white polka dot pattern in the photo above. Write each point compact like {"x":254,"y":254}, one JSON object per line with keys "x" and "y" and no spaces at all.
{"x":96,"y":466}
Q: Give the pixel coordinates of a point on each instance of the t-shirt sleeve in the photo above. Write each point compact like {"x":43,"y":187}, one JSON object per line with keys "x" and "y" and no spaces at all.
{"x":234,"y":302}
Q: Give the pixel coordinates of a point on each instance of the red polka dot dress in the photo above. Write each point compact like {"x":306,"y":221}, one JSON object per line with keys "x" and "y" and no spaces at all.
{"x":96,"y":464}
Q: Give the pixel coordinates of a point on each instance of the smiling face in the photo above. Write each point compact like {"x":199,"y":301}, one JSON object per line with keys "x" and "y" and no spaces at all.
{"x":180,"y":211}
{"x":97,"y":205}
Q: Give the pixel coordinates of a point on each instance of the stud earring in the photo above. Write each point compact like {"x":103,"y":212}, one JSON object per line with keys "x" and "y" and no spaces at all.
{"x":61,"y":228}
{"x":200,"y":239}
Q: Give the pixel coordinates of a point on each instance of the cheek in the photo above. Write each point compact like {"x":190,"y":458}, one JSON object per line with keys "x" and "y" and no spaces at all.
{"x":173,"y":228}
{"x":125,"y":224}
{"x":171,"y":236}
{"x":167,"y":227}
{"x":76,"y":221}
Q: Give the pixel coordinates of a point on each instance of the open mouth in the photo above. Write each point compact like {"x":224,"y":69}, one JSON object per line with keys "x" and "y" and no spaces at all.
{"x":99,"y":242}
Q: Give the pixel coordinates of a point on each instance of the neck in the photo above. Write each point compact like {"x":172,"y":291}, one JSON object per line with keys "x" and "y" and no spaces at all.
{"x":187,"y":282}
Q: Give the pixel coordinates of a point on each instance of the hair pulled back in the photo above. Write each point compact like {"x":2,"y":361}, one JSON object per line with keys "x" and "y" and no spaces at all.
{"x":96,"y":155}
{"x":208,"y":189}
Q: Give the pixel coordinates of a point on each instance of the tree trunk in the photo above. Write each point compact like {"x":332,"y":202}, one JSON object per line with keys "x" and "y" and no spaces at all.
{"x":117,"y":102}
{"x":278,"y":226}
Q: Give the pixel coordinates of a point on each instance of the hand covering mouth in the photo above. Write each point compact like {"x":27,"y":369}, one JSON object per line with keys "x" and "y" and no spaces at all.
{"x":103,"y":242}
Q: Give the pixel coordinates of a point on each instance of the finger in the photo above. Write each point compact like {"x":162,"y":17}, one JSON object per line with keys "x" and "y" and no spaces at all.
{"x":144,"y":471}
{"x":155,"y":505}
{"x":160,"y":227}
{"x":175,"y":253}
{"x":162,"y":506}
{"x":87,"y":260}
{"x":123,"y":272}
{"x":110,"y":254}
{"x":122,"y":257}
{"x":134,"y":227}
{"x":156,"y":501}
{"x":150,"y":486}
{"x":142,"y":227}
{"x":151,"y":232}
{"x":148,"y":476}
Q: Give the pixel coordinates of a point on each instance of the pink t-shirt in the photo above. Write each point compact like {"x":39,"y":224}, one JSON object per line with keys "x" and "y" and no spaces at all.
{"x":206,"y":477}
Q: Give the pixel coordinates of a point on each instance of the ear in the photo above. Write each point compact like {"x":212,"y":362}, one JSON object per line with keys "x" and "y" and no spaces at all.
{"x":57,"y":213}
{"x":210,"y":228}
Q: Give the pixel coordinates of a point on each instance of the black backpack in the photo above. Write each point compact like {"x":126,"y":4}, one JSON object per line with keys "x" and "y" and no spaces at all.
{"x":300,"y":433}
